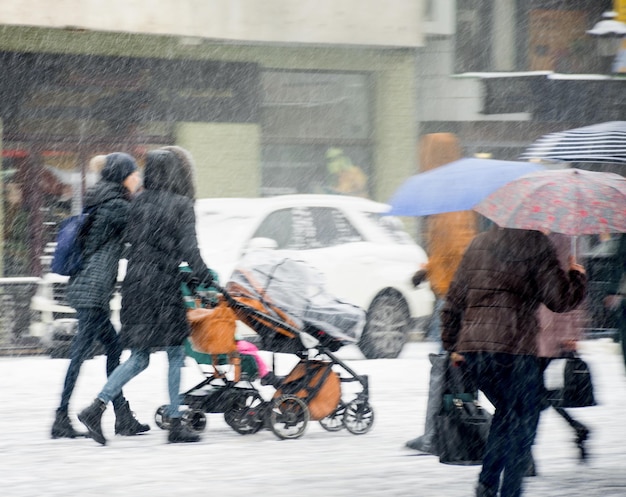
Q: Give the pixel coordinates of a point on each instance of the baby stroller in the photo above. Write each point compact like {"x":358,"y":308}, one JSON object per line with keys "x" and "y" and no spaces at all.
{"x":283,"y":301}
{"x":228,"y":375}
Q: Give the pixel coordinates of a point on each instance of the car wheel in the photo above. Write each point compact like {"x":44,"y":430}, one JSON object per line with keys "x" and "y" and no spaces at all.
{"x":386,"y":328}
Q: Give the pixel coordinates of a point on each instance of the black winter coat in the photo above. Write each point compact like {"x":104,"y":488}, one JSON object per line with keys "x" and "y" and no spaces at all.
{"x":162,"y":234}
{"x":492,"y":302}
{"x":93,"y":285}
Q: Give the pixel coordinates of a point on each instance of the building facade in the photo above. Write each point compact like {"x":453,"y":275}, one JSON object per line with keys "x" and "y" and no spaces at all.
{"x":511,"y":71}
{"x":257,"y":91}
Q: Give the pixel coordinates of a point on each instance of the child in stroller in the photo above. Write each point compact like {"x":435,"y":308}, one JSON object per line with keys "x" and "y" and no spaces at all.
{"x":310,"y":391}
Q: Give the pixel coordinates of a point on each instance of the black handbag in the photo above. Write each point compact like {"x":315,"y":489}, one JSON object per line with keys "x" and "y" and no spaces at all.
{"x":577,"y":384}
{"x":462,"y":425}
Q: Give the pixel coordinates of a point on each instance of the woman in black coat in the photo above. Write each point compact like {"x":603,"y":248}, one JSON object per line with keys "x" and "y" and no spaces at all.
{"x":162,"y":235}
{"x":91,"y":288}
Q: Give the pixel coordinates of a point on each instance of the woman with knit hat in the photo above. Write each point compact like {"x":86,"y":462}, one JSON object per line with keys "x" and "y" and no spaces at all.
{"x":90,"y":290}
{"x":162,"y":234}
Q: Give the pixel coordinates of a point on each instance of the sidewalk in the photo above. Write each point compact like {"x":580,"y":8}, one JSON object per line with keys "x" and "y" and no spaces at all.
{"x":319,"y":464}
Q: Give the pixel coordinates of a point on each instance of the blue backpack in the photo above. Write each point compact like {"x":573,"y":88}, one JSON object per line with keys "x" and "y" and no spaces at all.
{"x":67,"y":260}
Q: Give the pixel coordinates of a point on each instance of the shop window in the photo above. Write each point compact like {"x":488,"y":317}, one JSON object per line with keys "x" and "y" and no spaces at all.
{"x":303,"y":115}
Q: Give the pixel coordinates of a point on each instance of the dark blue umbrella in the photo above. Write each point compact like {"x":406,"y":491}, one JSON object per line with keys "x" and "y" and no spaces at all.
{"x":457,"y":186}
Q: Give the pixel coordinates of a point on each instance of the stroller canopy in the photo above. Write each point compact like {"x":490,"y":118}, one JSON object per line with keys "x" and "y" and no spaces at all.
{"x":297,"y":288}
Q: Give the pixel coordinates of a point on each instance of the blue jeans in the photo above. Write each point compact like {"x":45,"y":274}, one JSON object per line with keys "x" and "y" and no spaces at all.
{"x":512,"y":383}
{"x":138,"y":361}
{"x":93,"y":323}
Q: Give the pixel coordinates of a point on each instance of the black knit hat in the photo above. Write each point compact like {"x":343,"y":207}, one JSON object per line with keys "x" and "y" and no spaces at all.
{"x":117,"y":167}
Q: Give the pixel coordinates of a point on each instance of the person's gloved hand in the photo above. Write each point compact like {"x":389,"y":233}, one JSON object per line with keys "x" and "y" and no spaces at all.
{"x":211,"y":279}
{"x":192,"y":283}
{"x":456,"y":359}
{"x":418,"y":277}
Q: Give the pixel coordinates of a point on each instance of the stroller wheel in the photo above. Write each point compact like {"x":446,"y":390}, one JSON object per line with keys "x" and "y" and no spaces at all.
{"x":161,"y":419}
{"x":246,"y":413}
{"x":358,"y":417}
{"x":288,"y":417}
{"x":334,"y":421}
{"x":195,"y":419}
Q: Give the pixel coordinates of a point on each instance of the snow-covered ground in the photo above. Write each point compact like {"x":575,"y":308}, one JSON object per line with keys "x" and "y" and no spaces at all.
{"x":320,"y":463}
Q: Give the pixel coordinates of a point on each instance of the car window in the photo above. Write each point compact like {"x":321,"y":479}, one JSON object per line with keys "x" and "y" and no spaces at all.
{"x":220,"y":232}
{"x":392,"y":226}
{"x":332,"y":227}
{"x":277,"y":226}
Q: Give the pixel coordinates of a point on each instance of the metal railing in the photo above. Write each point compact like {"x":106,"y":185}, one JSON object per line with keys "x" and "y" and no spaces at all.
{"x":15,"y":296}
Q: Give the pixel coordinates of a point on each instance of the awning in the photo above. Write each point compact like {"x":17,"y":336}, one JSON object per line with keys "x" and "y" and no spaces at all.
{"x":554,"y":97}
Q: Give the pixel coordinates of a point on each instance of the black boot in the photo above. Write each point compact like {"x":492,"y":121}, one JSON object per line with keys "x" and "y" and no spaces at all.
{"x":531,"y":469}
{"x":62,"y":427}
{"x":180,"y":432}
{"x":428,"y":441}
{"x":483,"y":490}
{"x":91,"y":417}
{"x":125,"y":422}
{"x":582,"y":434}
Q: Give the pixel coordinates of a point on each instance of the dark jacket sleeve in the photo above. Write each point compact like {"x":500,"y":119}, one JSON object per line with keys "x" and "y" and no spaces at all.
{"x":109,"y":222}
{"x":189,"y":245}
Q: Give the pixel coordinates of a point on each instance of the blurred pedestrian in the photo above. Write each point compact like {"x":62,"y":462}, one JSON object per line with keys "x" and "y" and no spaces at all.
{"x":162,"y":234}
{"x":490,"y":322}
{"x":614,"y":300}
{"x":90,"y":290}
{"x":448,"y":235}
{"x":558,"y":337}
{"x":345,"y":178}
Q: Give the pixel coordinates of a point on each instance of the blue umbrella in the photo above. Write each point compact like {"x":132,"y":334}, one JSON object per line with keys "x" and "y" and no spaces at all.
{"x":457,"y":186}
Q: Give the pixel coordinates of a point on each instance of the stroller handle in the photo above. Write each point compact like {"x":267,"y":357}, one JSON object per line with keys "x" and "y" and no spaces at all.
{"x":308,"y":340}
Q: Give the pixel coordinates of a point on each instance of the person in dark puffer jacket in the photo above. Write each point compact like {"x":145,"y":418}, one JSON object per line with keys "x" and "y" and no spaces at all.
{"x":90,"y":290}
{"x":490,"y":327}
{"x":162,"y":234}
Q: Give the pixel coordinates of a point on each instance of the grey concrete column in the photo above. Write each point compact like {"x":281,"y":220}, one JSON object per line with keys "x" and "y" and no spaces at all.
{"x":503,"y":39}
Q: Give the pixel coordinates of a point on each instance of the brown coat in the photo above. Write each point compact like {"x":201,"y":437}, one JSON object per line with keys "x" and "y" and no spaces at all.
{"x":492,"y":303}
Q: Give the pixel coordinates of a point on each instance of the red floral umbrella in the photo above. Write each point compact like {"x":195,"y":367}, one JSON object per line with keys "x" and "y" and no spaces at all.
{"x":568,"y":201}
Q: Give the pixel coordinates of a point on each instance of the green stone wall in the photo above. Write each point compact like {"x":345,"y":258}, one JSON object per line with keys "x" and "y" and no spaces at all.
{"x":226,"y":157}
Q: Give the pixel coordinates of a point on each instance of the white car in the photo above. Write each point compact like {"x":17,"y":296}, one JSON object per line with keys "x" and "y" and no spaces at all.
{"x":366,"y":257}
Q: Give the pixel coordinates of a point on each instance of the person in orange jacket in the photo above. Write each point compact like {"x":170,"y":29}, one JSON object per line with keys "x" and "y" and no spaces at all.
{"x":346,"y":177}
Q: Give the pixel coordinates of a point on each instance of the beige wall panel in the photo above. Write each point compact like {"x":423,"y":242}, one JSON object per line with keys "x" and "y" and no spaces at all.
{"x":352,"y":22}
{"x":226,"y":157}
{"x":395,"y":129}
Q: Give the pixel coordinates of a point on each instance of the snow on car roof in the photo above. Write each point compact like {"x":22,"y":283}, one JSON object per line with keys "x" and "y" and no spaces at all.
{"x":235,"y":204}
